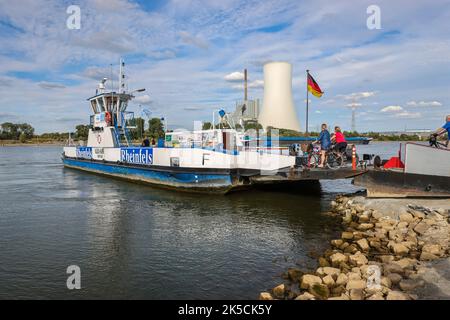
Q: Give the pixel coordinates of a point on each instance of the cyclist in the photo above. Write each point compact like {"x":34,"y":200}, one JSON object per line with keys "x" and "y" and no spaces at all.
{"x":339,"y":140}
{"x":325,"y":143}
{"x":444,"y":129}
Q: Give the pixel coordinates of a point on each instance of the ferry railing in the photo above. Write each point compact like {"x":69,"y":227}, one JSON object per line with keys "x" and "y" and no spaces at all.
{"x":125,"y":129}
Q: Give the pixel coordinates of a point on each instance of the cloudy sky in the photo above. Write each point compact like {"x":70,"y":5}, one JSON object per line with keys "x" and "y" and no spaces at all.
{"x":189,"y":55}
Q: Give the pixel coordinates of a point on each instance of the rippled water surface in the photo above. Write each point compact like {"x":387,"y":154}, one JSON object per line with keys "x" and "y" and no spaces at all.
{"x":134,"y":241}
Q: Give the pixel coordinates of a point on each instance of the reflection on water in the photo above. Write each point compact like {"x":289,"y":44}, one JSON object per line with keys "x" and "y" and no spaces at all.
{"x":134,"y":241}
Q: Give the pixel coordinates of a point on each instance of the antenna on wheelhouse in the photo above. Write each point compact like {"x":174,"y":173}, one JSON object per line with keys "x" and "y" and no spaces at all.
{"x":122,"y":76}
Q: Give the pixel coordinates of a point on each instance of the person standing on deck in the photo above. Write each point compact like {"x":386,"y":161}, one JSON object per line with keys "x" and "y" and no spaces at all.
{"x":325,"y":143}
{"x":145,"y":143}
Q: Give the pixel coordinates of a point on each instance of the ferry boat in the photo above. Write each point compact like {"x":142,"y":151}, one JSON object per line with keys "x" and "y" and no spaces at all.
{"x":216,"y":160}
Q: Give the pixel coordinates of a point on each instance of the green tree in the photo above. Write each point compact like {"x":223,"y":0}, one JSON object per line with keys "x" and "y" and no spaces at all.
{"x":26,"y":129}
{"x":23,"y":137}
{"x":137,"y":132}
{"x":12,"y":131}
{"x":155,"y":128}
{"x":252,"y":125}
{"x":9,"y":131}
{"x":82,"y":131}
{"x":140,"y":127}
{"x":207,"y":126}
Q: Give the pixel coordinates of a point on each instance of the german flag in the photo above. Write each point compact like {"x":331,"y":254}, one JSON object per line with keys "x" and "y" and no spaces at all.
{"x":313,"y":87}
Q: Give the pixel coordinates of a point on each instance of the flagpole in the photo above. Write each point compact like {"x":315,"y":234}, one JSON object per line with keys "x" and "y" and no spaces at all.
{"x":307,"y":102}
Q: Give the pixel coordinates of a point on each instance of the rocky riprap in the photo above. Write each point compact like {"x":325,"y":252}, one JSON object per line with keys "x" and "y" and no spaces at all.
{"x":378,"y":256}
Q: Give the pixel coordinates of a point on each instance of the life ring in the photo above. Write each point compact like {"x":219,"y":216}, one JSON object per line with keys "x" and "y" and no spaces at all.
{"x":108,"y":118}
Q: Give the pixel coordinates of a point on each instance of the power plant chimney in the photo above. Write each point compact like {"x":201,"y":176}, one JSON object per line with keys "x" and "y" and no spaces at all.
{"x":278,"y":107}
{"x":245,"y":85}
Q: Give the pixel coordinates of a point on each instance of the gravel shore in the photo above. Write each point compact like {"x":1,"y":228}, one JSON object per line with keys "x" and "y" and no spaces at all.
{"x":390,"y":249}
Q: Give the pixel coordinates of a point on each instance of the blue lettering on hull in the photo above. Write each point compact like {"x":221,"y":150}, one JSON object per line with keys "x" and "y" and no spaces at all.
{"x":137,"y":155}
{"x":157,"y":177}
{"x":84,"y":152}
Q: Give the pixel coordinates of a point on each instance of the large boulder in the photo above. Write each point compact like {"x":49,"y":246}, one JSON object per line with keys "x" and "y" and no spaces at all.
{"x":279,"y":291}
{"x":323,"y":262}
{"x":435,"y":249}
{"x":363,"y":244}
{"x":392,"y":268}
{"x":356,"y":284}
{"x":351,"y":249}
{"x":386,"y":258}
{"x":365,"y":226}
{"x":356,"y":294}
{"x":334,"y":272}
{"x":406,"y":263}
{"x":341,"y":297}
{"x":342,"y":279}
{"x":406,"y":217}
{"x":421,"y":228}
{"x":319,"y":291}
{"x":395,"y":278}
{"x":397,"y":295}
{"x":294,"y":274}
{"x":337,"y":243}
{"x":386,"y":282}
{"x":308,"y":280}
{"x":426,"y":256}
{"x":376,"y":296}
{"x":358,"y":259}
{"x":399,"y":249}
{"x":328,"y":281}
{"x":265,"y":296}
{"x":347,"y":235}
{"x":305,"y":296}
{"x":337,"y":258}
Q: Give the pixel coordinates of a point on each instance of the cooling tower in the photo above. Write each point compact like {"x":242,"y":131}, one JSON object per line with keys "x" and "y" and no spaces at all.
{"x":278,"y":108}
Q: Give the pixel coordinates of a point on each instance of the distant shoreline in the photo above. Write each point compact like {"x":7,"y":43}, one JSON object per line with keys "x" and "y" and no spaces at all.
{"x":32,"y":144}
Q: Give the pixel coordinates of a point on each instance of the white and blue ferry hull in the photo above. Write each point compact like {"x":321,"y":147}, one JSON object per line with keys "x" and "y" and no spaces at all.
{"x":187,"y":169}
{"x":185,"y":180}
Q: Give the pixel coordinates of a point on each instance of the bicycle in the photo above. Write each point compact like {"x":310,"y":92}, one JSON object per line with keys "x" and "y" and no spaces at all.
{"x":313,"y":151}
{"x":334,"y":158}
{"x":433,"y":141}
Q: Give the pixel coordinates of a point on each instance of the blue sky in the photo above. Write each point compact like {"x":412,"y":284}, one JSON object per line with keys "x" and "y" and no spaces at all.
{"x":183,"y":52}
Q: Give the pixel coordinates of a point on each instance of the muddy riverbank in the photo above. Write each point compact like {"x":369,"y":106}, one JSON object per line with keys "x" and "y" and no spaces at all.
{"x":390,"y":249}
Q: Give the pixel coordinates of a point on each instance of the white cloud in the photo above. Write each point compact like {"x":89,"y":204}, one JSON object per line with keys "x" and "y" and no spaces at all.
{"x":192,"y":108}
{"x":358,"y":95}
{"x":196,"y":41}
{"x":257,"y":84}
{"x":356,"y":104}
{"x":234,"y":76}
{"x":424,"y":104}
{"x":408,"y":115}
{"x":392,"y":109}
{"x":50,"y":85}
{"x":144,"y":99}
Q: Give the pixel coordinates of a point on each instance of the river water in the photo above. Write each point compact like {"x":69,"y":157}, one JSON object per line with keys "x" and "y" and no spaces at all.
{"x":135,"y":241}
